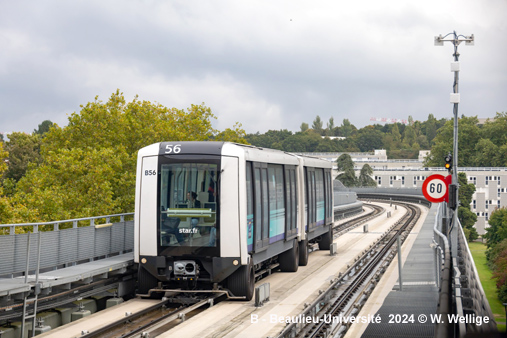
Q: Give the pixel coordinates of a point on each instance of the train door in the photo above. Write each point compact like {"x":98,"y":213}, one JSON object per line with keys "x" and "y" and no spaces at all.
{"x":261,"y":206}
{"x":310,"y":198}
{"x":291,"y":202}
{"x":328,"y":196}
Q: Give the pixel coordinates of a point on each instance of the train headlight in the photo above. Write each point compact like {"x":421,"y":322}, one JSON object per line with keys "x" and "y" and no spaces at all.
{"x":179,"y":268}
{"x":143,"y":260}
{"x":235,"y":262}
{"x":190,"y":268}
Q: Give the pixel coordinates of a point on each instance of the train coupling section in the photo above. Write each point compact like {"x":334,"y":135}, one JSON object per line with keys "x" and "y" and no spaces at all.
{"x":186,"y":269}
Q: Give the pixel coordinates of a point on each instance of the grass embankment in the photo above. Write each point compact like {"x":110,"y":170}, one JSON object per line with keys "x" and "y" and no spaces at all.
{"x":478,"y":251}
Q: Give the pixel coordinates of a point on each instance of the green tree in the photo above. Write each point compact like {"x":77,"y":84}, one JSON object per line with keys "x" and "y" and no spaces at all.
{"x":493,"y":253}
{"x":500,"y":274}
{"x":495,"y":129}
{"x":348,"y":178}
{"x":43,"y":127}
{"x":347,"y":129}
{"x":88,"y":167}
{"x":344,"y":162}
{"x":388,"y":142}
{"x":501,"y":156}
{"x":325,"y":145}
{"x":431,"y":128}
{"x":5,"y":207}
{"x":466,"y":217}
{"x":497,"y":230}
{"x":469,"y":136}
{"x":317,"y":125}
{"x":409,"y":137}
{"x":304,"y":127}
{"x":271,"y":139}
{"x":369,"y":139}
{"x":485,"y":153}
{"x":422,"y":141}
{"x":24,"y":149}
{"x":330,"y":127}
{"x":395,"y":132}
{"x":3,"y":158}
{"x":365,"y":179}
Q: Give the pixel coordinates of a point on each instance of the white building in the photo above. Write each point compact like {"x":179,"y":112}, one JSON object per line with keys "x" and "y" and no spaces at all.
{"x":490,"y":183}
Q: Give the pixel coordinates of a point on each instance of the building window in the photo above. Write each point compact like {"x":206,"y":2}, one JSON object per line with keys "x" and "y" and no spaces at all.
{"x":415,"y":180}
{"x":498,"y":180}
{"x":498,"y":204}
{"x":474,"y":204}
{"x":402,"y":180}
{"x":379,"y":180}
{"x":486,"y":214}
{"x":487,"y":204}
{"x":390,"y":180}
{"x":487,"y":179}
{"x":499,"y":190}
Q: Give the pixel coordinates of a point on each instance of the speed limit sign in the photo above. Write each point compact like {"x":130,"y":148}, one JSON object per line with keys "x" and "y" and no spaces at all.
{"x":435,"y":188}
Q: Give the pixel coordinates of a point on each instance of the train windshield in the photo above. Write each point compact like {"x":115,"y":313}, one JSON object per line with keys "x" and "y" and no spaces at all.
{"x":188,"y":205}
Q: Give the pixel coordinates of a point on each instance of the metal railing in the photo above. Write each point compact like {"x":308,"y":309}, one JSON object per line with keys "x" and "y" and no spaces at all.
{"x":461,"y":293}
{"x":62,"y":247}
{"x":56,"y":224}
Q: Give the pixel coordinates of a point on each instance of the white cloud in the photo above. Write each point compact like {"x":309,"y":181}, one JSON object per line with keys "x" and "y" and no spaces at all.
{"x":266,"y":64}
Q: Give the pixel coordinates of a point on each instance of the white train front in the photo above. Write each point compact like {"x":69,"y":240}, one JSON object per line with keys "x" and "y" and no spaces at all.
{"x":211,"y":214}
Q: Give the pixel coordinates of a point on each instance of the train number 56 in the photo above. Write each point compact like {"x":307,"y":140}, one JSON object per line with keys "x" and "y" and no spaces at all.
{"x":172,"y":149}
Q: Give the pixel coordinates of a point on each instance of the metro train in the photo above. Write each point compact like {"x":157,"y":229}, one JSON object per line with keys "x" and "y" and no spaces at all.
{"x":210,"y":214}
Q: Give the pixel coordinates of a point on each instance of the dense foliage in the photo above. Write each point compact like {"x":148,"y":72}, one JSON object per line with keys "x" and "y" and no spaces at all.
{"x":400,"y":141}
{"x":496,"y":254}
{"x":348,"y":177}
{"x":479,"y":145}
{"x":88,"y":167}
{"x":466,"y":217}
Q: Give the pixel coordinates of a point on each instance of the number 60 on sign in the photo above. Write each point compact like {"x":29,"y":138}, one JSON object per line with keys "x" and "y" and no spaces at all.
{"x":435,"y":188}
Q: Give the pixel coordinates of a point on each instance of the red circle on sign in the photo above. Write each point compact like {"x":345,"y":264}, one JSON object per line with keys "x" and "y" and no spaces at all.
{"x":434,"y":188}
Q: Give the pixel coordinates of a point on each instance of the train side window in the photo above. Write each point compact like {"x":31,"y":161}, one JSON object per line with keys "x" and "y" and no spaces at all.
{"x":320,"y":206}
{"x":258,"y":205}
{"x":291,"y":202}
{"x":294,"y":198}
{"x":329,"y":196}
{"x":249,"y":206}
{"x":311,"y":192}
{"x":273,"y":214}
{"x":265,"y":206}
{"x":289,"y":192}
{"x":277,"y":211}
{"x":307,"y":198}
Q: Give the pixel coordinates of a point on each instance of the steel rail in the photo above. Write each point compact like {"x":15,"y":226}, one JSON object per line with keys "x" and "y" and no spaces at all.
{"x":324,"y":306}
{"x":340,"y":229}
{"x":322,"y":327}
{"x":154,"y":324}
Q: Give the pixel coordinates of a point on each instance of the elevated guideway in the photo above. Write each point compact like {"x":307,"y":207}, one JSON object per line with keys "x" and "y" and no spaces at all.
{"x":418,"y":294}
{"x":87,"y":255}
{"x":97,"y":256}
{"x":438,"y":282}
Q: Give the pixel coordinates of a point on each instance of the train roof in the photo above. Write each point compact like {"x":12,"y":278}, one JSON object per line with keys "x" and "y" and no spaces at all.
{"x":220,"y":148}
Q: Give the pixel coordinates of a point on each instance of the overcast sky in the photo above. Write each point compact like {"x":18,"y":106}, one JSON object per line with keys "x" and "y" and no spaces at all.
{"x":266,"y":64}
